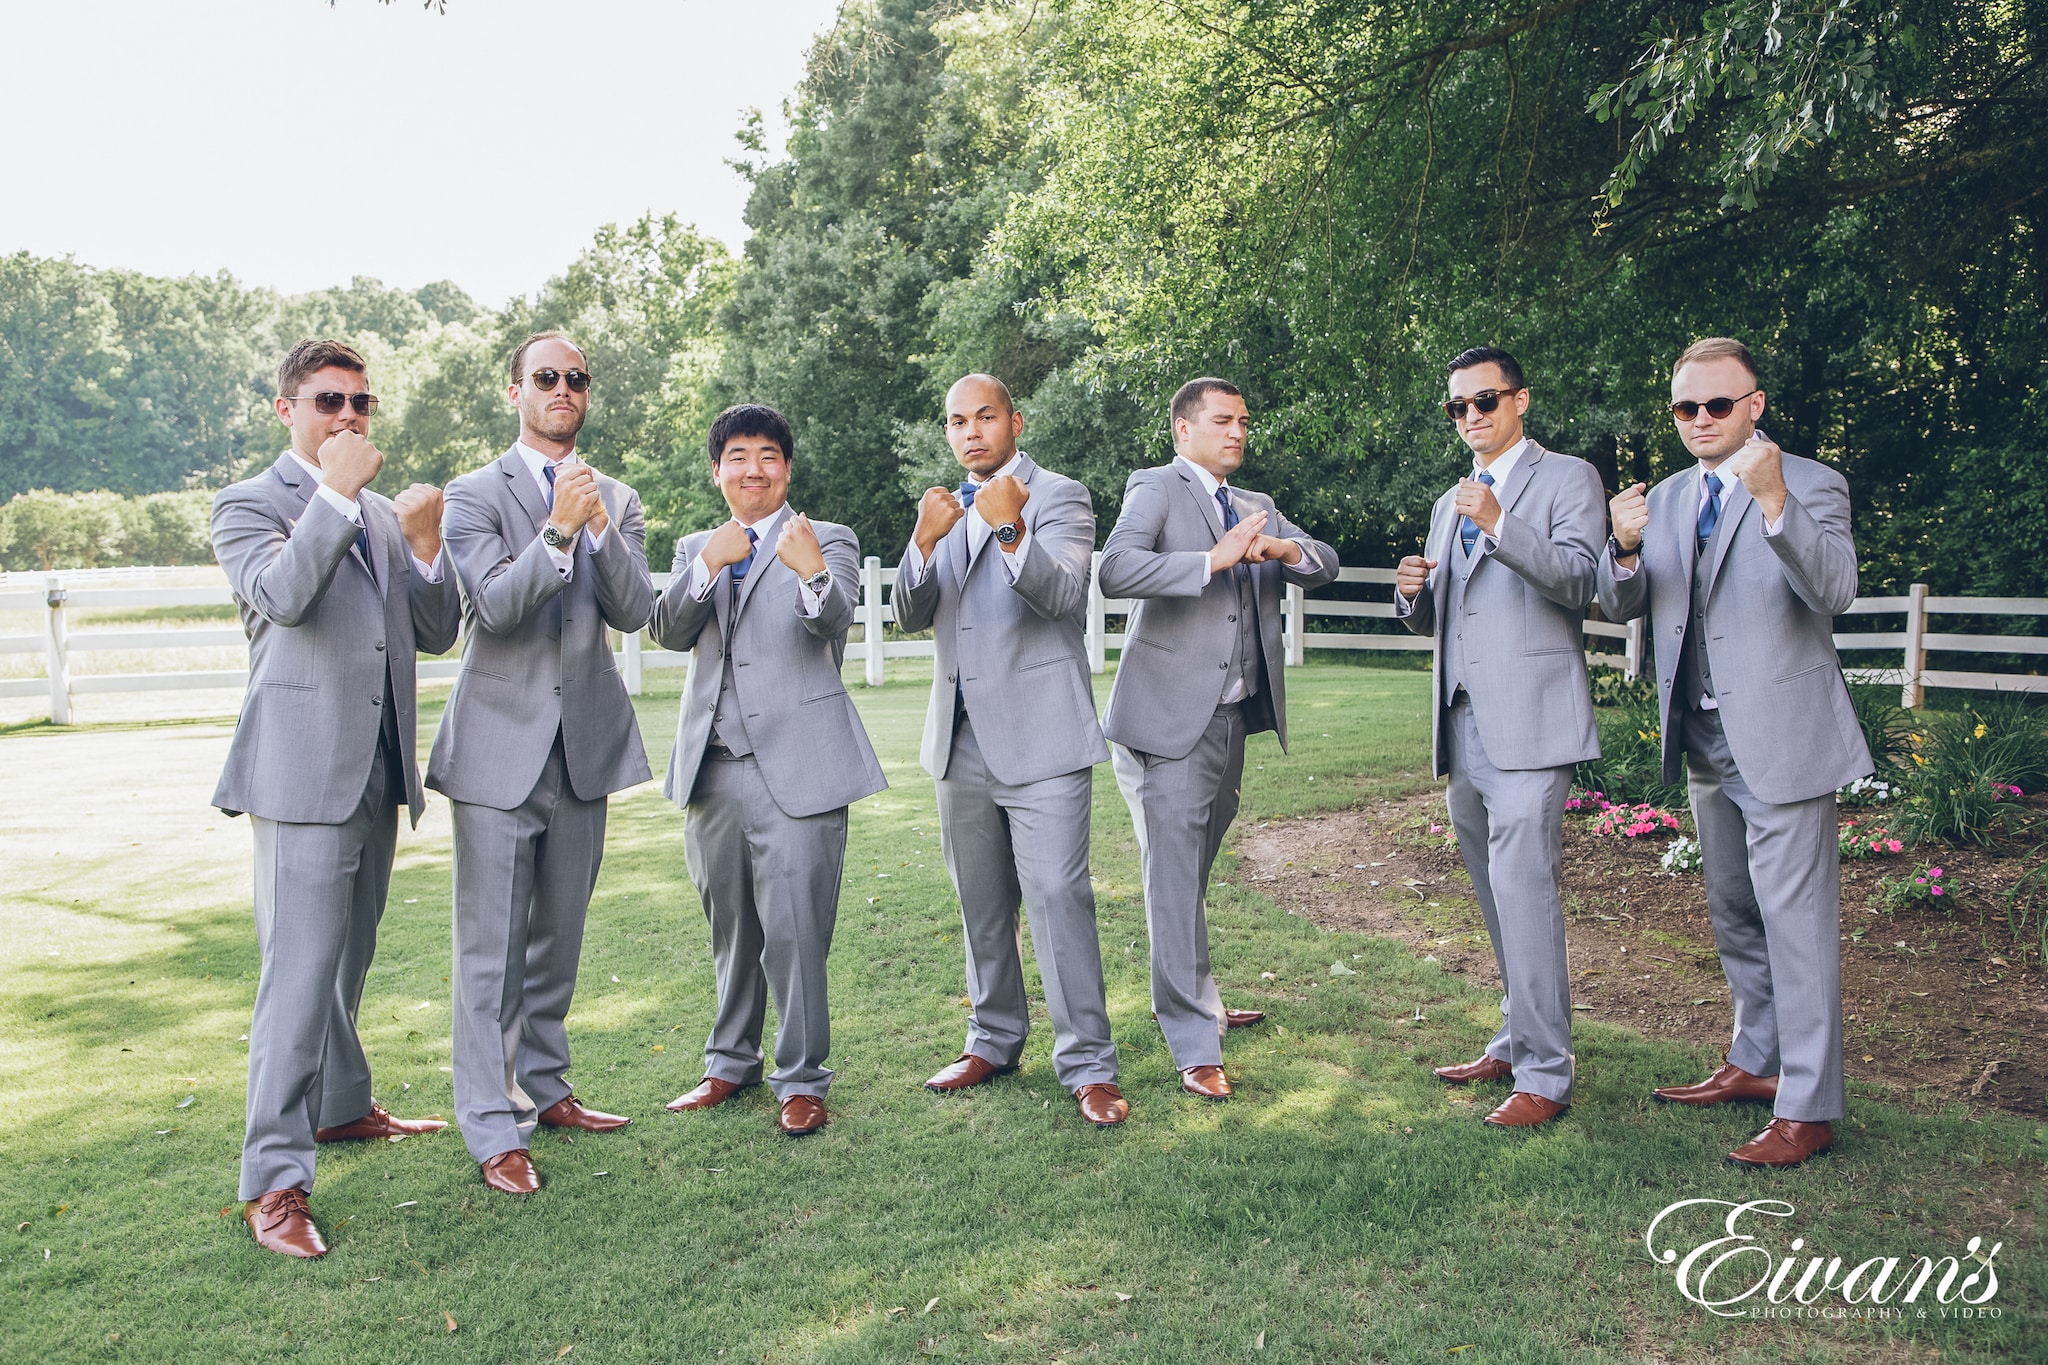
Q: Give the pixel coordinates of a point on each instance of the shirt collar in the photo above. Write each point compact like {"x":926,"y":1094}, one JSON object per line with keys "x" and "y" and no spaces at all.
{"x":1701,"y":469}
{"x":1010,"y":468}
{"x":1504,"y":463}
{"x":536,"y":461}
{"x":761,"y":528}
{"x":1210,"y":483}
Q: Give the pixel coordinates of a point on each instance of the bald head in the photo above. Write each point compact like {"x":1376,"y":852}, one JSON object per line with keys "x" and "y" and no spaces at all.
{"x":982,"y":424}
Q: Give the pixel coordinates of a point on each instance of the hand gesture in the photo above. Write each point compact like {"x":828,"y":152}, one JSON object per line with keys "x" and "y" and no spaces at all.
{"x":727,"y":545}
{"x":348,"y":462}
{"x":1630,"y":512}
{"x":1476,"y":500}
{"x":1001,"y":500}
{"x":796,"y":545}
{"x":938,"y":512}
{"x":1264,"y":548}
{"x":1760,"y":467}
{"x":1236,"y":542}
{"x":419,"y":520}
{"x":1411,"y":576}
{"x":576,"y":500}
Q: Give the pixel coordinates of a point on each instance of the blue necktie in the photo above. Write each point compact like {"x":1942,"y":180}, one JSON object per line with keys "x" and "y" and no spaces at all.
{"x":967,"y":492}
{"x":1468,"y":529}
{"x":1710,"y":507}
{"x":363,"y":545}
{"x":547,"y":470}
{"x":1223,"y":505}
{"x":741,"y":569}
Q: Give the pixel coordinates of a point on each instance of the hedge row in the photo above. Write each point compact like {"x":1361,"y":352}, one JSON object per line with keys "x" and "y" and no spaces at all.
{"x":45,"y":530}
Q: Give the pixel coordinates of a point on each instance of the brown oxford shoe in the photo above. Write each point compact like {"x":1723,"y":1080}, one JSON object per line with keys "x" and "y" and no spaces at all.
{"x":568,"y":1112}
{"x":379,"y":1123}
{"x":281,"y":1222}
{"x":1729,"y":1084}
{"x":1206,"y":1082}
{"x":1784,"y":1142}
{"x":1465,"y":1073}
{"x":512,"y":1172}
{"x":1525,"y":1110}
{"x":970,"y":1070}
{"x":709,"y":1094}
{"x":802,"y":1115}
{"x":1242,"y":1018}
{"x":1103,"y":1105}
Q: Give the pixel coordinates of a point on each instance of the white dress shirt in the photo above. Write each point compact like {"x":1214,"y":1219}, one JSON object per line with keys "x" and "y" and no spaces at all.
{"x":430,"y":573}
{"x":1502,"y":466}
{"x":702,"y":579}
{"x":565,"y":562}
{"x":978,"y":532}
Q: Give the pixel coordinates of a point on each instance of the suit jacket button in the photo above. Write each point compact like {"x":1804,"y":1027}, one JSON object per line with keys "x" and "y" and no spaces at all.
{"x":1225,"y":664}
{"x":558,"y":691}
{"x":376,"y":701}
{"x":1231,"y":617}
{"x":380,"y":645}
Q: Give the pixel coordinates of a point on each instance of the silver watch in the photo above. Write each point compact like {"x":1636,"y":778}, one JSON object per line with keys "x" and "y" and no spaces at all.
{"x":554,"y":538}
{"x":819,"y":581}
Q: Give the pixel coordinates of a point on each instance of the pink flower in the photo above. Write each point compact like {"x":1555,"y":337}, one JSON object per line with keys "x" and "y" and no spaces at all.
{"x":1934,"y":890}
{"x":1934,"y":872}
{"x":1436,"y":829}
{"x":1892,"y":845}
{"x":1920,"y":881}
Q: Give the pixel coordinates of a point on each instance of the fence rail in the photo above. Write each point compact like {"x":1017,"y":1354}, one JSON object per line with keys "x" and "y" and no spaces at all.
{"x":60,"y":595}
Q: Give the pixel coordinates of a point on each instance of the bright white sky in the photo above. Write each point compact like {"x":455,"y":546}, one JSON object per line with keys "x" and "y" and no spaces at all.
{"x":492,"y":140}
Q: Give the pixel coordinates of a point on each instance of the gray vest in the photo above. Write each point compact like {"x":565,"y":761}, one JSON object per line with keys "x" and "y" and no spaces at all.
{"x":728,"y":725}
{"x":1246,"y":657}
{"x":1695,"y":673}
{"x":1452,"y":662}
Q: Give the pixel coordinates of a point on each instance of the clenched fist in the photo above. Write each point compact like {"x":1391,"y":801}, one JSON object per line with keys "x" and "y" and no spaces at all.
{"x":938,"y":512}
{"x":728,"y":544}
{"x":796,"y":545}
{"x":576,"y":500}
{"x":1411,"y":576}
{"x":1001,"y":500}
{"x":1264,"y":548}
{"x":348,"y":462}
{"x":1630,"y":512}
{"x":1760,"y":466}
{"x":419,"y":519}
{"x":1476,"y":500}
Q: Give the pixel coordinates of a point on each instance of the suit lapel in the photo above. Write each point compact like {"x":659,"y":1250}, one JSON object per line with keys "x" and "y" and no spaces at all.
{"x":1204,"y":504}
{"x":1735,"y":505}
{"x":1510,"y":492}
{"x":513,"y":466}
{"x":765,"y":561}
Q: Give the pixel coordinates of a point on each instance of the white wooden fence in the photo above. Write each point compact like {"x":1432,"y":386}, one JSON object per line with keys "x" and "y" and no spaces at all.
{"x":60,"y":594}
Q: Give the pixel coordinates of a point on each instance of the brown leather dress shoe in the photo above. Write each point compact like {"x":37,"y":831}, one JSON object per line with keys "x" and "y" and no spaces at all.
{"x":802,"y":1115}
{"x":709,"y":1094}
{"x":1784,"y":1142}
{"x":512,"y":1172}
{"x":970,"y":1070}
{"x":1103,"y":1105}
{"x":1465,"y":1073}
{"x":1242,"y":1018}
{"x":281,"y":1222}
{"x":1207,"y":1082}
{"x":1525,"y":1110}
{"x":568,"y":1112}
{"x":1730,"y":1083}
{"x":379,"y":1123}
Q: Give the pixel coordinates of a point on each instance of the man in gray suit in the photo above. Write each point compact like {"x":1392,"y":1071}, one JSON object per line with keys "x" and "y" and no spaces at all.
{"x":339,"y":588}
{"x":1201,"y":669}
{"x":538,"y":732}
{"x":769,"y":754}
{"x":1502,"y":588}
{"x":1742,"y":562}
{"x":998,"y":572}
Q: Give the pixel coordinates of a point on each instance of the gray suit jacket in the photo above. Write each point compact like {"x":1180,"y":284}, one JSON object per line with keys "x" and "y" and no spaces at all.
{"x":1519,"y":638}
{"x":1769,"y":626}
{"x":1016,"y":652}
{"x":808,"y":741}
{"x":323,"y":641}
{"x":535,"y":655}
{"x":1172,"y":674}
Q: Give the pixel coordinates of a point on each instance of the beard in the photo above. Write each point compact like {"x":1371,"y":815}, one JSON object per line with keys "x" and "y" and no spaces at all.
{"x":556,"y":425}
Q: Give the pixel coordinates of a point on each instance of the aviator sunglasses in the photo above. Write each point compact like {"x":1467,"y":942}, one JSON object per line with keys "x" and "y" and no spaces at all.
{"x":545,"y":380}
{"x":329,"y":403}
{"x":1717,"y":408}
{"x":1486,"y":401}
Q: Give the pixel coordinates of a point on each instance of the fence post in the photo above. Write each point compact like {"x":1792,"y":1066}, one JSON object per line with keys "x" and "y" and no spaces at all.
{"x":56,"y":642}
{"x":1098,"y":621}
{"x":871,"y":617}
{"x":1914,"y":693}
{"x":635,"y":675}
{"x":1632,"y":650}
{"x":1291,"y":615}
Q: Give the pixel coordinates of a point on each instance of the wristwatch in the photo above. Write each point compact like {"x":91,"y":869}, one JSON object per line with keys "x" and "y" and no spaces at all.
{"x":819,"y":581}
{"x":1617,"y":554}
{"x":555,"y":539}
{"x":1007,"y":533}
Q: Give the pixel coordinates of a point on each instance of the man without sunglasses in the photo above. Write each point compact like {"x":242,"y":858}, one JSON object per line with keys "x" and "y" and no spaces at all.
{"x":538,"y":733}
{"x":339,"y":588}
{"x":1742,"y":562}
{"x":1501,"y":588}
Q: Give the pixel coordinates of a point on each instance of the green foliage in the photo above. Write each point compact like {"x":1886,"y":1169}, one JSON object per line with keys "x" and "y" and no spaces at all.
{"x":1630,"y":769}
{"x":42,"y":530}
{"x":1970,"y":766}
{"x":2026,"y":911}
{"x":1887,"y":731}
{"x":1924,"y":885}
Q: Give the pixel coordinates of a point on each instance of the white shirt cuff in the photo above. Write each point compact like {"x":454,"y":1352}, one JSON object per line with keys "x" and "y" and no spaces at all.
{"x":1309,"y":561}
{"x":700,"y":579}
{"x":595,"y":540}
{"x":431,"y":573}
{"x":565,"y":563}
{"x":1772,"y":528}
{"x":808,"y":603}
{"x":914,"y":565}
{"x":346,"y":506}
{"x":1013,"y":555}
{"x":1404,"y":605}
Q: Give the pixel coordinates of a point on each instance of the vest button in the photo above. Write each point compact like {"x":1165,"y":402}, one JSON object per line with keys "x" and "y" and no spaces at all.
{"x":558,"y":691}
{"x":376,"y":701}
{"x":1224,"y":664}
{"x":380,"y":645}
{"x":1227,"y":618}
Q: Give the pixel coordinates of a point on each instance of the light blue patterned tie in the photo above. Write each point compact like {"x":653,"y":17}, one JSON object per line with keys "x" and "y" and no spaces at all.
{"x":1710,"y":508}
{"x":1468,"y":529}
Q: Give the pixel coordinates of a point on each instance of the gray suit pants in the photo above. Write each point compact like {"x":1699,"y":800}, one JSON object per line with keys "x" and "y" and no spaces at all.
{"x":1774,"y":889}
{"x":523,"y":879}
{"x":770,"y":887}
{"x":1510,"y":828}
{"x":319,"y":896}
{"x":1182,"y":807}
{"x":1010,"y":845}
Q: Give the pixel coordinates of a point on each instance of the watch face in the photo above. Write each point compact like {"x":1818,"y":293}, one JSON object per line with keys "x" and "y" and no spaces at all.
{"x":1007,"y":534}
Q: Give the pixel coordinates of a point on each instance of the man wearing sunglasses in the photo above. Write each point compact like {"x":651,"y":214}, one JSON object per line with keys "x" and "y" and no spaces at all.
{"x":1742,"y":561}
{"x":1502,"y":588}
{"x":339,"y":588}
{"x":538,"y":733}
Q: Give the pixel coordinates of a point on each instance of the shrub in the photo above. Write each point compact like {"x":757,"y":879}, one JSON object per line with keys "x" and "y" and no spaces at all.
{"x":1630,"y":769}
{"x":41,"y":530}
{"x":1923,"y":885}
{"x":1887,"y":730}
{"x":1970,"y":765}
{"x":2026,"y":911}
{"x":1867,"y":841}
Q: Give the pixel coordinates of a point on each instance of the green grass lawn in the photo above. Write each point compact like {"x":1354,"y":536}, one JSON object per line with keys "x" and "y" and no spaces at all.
{"x":1344,"y":1207}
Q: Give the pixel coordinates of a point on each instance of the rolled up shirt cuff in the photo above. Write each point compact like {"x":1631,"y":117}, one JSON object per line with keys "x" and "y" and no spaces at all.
{"x":595,"y":539}
{"x":1622,"y":575}
{"x":1013,"y":555}
{"x":1309,"y":563}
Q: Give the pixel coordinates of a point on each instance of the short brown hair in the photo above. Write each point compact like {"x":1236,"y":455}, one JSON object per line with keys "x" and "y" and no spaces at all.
{"x":310,"y":356}
{"x":519,"y":351}
{"x":1716,"y":348}
{"x":1189,"y":397}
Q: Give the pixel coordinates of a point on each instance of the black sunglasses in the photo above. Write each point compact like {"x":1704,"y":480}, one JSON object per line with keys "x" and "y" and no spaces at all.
{"x":1717,"y":408}
{"x":545,"y":380}
{"x":1486,"y":401}
{"x":329,"y":403}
